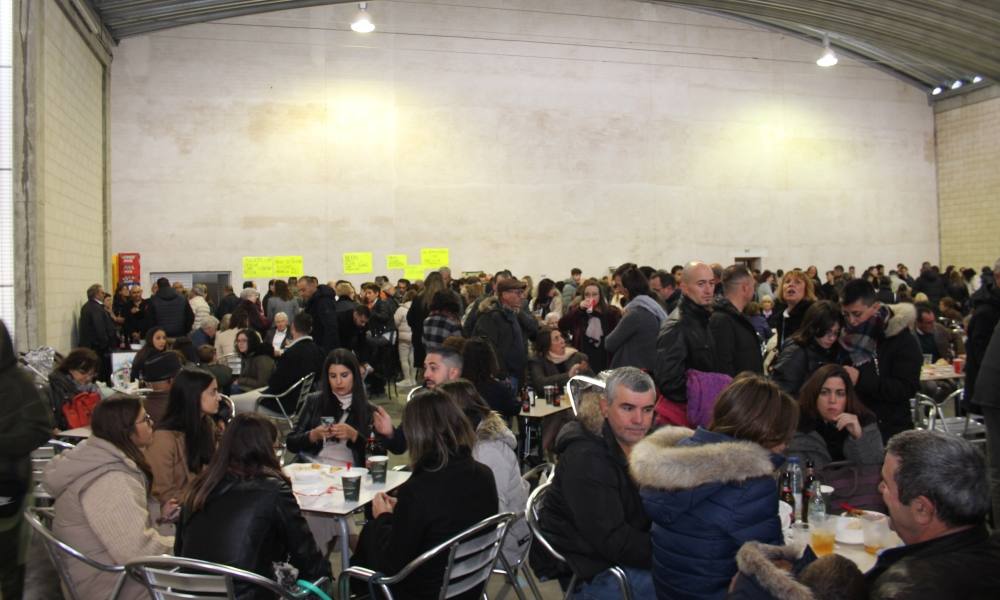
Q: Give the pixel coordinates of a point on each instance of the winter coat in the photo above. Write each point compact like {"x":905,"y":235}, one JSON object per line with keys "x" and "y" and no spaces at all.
{"x":100,"y":510}
{"x":866,"y":450}
{"x":985,"y":316}
{"x":544,"y":372}
{"x":496,"y":447}
{"x":886,"y":385}
{"x":251,"y":524}
{"x":509,"y":332}
{"x":787,"y":326}
{"x":136,"y":322}
{"x":593,"y":514}
{"x":405,"y":332}
{"x":499,"y":397}
{"x":989,"y":373}
{"x":760,"y":578}
{"x":437,"y":328}
{"x":415,"y":319}
{"x":795,"y":364}
{"x":958,"y":565}
{"x":707,"y":494}
{"x":737,"y":346}
{"x":62,"y":389}
{"x":383,"y":319}
{"x":171,"y":312}
{"x":322,"y":308}
{"x":97,"y":329}
{"x":276,"y":305}
{"x":201,"y":309}
{"x":575,"y":322}
{"x":685,"y":342}
{"x":225,"y":344}
{"x":633,"y":340}
{"x":255,"y":371}
{"x":167,"y":458}
{"x":316,"y":407}
{"x":298,"y":360}
{"x":931,"y":284}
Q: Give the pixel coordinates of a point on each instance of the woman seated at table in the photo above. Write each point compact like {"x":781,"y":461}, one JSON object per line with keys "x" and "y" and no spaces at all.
{"x":185,"y":441}
{"x":496,"y":447}
{"x":240,"y":511}
{"x":554,"y":361}
{"x":813,"y":345}
{"x":74,"y":375}
{"x":709,"y":491}
{"x":589,"y":320}
{"x":834,"y":425}
{"x":479,"y":365}
{"x":100,"y":490}
{"x":156,"y":342}
{"x":278,"y":336}
{"x":448,"y":492}
{"x":256,"y":363}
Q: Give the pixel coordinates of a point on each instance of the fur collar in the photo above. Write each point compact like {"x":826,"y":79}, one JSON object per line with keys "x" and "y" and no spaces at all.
{"x":589,"y":413}
{"x":659,"y":462}
{"x":903,"y":317}
{"x":757,"y":560}
{"x":489,"y":304}
{"x":492,"y":427}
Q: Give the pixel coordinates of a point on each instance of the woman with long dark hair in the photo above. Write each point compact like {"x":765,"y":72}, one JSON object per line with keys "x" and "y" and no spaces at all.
{"x":101,"y":489}
{"x":419,"y":311}
{"x":282,"y":301}
{"x":813,"y":345}
{"x":479,"y":365}
{"x":589,"y":321}
{"x":156,"y":343}
{"x":547,"y":300}
{"x":256,"y":362}
{"x":185,"y":441}
{"x":74,"y":375}
{"x":555,"y":361}
{"x":240,"y":511}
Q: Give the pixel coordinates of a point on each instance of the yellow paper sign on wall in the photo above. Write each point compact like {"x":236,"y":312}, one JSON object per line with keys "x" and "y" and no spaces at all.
{"x":413,"y":272}
{"x":357,"y":263}
{"x":288,"y":266}
{"x":433,"y":258}
{"x":395,"y":261}
{"x":258,"y":267}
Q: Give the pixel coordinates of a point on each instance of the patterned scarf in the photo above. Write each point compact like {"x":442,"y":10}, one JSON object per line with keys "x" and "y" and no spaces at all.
{"x":860,"y":342}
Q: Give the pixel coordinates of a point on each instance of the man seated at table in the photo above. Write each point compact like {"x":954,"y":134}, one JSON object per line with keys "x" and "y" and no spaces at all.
{"x":159,"y":373}
{"x":593,"y":514}
{"x":936,"y":489}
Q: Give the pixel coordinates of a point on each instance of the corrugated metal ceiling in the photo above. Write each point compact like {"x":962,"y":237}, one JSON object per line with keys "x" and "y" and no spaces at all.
{"x":926,"y":42}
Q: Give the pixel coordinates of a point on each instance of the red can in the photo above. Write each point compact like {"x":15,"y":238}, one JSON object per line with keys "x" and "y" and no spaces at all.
{"x":958,"y":364}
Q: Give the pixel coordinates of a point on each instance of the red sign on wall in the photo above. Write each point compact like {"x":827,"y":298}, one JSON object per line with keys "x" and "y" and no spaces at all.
{"x":129,"y":270}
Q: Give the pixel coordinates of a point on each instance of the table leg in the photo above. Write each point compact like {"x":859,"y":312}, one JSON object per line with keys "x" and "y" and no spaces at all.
{"x":343,"y":542}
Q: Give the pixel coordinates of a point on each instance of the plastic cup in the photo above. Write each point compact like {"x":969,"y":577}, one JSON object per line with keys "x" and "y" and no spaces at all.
{"x":958,"y":364}
{"x":798,"y":537}
{"x":352,"y":487}
{"x":823,"y":536}
{"x":874,"y":528}
{"x":378,"y":466}
{"x":928,"y":359}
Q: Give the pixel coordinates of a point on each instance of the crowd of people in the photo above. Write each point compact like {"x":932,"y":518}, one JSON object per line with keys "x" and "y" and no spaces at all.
{"x":738,"y":369}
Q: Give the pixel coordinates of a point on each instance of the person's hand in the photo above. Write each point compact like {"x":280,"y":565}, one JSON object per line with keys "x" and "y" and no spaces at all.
{"x":575,"y":369}
{"x":319,"y":433}
{"x":343,"y":431}
{"x":849,"y":422}
{"x":169,"y":511}
{"x":382,"y":504}
{"x":383,"y":422}
{"x":853,"y":373}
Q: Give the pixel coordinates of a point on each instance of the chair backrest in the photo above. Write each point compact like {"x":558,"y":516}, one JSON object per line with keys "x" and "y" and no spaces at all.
{"x":413,"y":392}
{"x":579,"y":384}
{"x":305,"y":388}
{"x":532,"y":514}
{"x":60,"y":552}
{"x":173,"y":577}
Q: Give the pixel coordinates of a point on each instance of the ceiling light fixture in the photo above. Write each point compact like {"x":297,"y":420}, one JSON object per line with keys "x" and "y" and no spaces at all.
{"x":362,"y":22}
{"x":829,"y":58}
{"x":937,"y":90}
{"x":957,"y":84}
{"x":977,"y":79}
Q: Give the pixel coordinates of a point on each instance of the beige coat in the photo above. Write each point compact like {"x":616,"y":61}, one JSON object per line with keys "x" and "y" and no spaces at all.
{"x":167,"y":457}
{"x":101,"y":510}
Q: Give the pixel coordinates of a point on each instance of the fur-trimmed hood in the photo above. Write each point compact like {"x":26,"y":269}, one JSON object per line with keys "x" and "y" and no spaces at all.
{"x":757,"y":561}
{"x":904,"y":316}
{"x":677,"y":458}
{"x":492,"y":428}
{"x":489,"y":304}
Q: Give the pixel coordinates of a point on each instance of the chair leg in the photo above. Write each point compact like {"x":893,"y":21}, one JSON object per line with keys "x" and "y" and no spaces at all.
{"x":530,"y":576}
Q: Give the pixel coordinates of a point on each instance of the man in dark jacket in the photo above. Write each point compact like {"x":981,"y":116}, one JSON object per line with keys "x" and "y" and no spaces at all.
{"x":665,"y":287}
{"x":508,"y":328}
{"x":737,"y":346}
{"x":932,"y":284}
{"x":25,"y":424}
{"x":985,"y":316}
{"x":988,"y":401}
{"x":170,"y":310}
{"x":888,"y":375}
{"x":685,"y":341}
{"x":302,"y":357}
{"x":97,"y":329}
{"x":320,"y":304}
{"x":353,"y":327}
{"x":227,"y":304}
{"x":593,"y":514}
{"x":136,"y":316}
{"x":934,"y":485}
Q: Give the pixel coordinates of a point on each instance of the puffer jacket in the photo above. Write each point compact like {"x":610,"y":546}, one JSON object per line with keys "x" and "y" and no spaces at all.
{"x":100,"y":510}
{"x":707,"y":494}
{"x":496,"y":447}
{"x":201,"y":310}
{"x":760,"y":577}
{"x":405,"y":332}
{"x":251,"y":524}
{"x":171,"y":312}
{"x":796,"y":363}
{"x":685,"y":342}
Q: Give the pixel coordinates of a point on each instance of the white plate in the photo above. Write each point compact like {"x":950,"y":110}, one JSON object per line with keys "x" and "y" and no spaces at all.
{"x":849,"y":530}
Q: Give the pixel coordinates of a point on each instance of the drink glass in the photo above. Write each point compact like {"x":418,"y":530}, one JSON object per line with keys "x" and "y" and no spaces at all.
{"x":874,"y":528}
{"x":822,"y":535}
{"x":928,"y":359}
{"x":378,"y":466}
{"x":351,"y":482}
{"x":798,"y":537}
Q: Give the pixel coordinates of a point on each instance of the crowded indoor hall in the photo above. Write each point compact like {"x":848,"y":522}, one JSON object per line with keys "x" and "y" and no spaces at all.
{"x":419,"y":299}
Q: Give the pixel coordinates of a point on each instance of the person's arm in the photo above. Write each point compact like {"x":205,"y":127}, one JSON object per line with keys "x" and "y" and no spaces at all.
{"x":809,"y":446}
{"x":96,"y":318}
{"x":298,"y":440}
{"x":568,"y":321}
{"x":898,"y":385}
{"x":304,"y":555}
{"x":625,"y":329}
{"x":754,"y":517}
{"x":529,"y":325}
{"x":402,"y":532}
{"x":790,"y":368}
{"x":721,"y":329}
{"x":866,"y":450}
{"x":166,"y":461}
{"x":115,"y":508}
{"x":671,"y":357}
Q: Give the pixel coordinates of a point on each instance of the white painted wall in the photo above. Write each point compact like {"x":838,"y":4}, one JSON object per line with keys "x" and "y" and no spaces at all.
{"x":535,"y":135}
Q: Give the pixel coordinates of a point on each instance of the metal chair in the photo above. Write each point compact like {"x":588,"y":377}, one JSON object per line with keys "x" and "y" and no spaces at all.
{"x":471,"y":556}
{"x":532,"y":513}
{"x":40,"y":457}
{"x":539,"y":475}
{"x":233,"y":361}
{"x":967,"y":426}
{"x":578,"y":384}
{"x":303,"y":386}
{"x":413,"y":392}
{"x":59,"y":552}
{"x":173,"y":577}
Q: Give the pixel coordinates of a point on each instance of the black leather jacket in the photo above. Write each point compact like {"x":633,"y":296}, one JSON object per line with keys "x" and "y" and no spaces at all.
{"x":357,"y":417}
{"x":796,"y":363}
{"x":250,"y":524}
{"x":684,"y":343}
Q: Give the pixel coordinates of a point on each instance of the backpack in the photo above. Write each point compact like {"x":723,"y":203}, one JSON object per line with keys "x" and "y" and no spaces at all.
{"x":79,"y":408}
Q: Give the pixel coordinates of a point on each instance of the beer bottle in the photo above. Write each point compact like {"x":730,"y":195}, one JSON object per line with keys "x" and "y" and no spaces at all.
{"x":807,"y":491}
{"x":786,"y":493}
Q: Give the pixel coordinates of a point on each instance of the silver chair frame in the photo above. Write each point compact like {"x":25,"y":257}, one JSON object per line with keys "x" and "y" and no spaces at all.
{"x":535,"y":501}
{"x":173,"y":577}
{"x":472,"y":555}
{"x":56,"y":549}
{"x":580,"y":381}
{"x":303,"y":385}
{"x":510,"y":571}
{"x":413,"y":392}
{"x":968,"y":427}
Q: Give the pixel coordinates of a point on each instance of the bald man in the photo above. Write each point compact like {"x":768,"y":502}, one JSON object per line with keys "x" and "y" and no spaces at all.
{"x":685,"y":341}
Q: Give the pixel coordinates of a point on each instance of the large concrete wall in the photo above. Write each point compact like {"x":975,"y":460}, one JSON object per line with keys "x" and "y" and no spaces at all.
{"x":576,"y":133}
{"x":968,"y":151}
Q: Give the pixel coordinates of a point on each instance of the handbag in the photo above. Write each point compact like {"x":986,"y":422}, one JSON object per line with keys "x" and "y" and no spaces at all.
{"x":853,"y":484}
{"x":79,"y":408}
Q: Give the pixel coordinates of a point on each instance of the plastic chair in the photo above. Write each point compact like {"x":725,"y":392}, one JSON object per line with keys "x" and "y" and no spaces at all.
{"x":173,"y":577}
{"x":303,"y":386}
{"x":59,"y":551}
{"x":471,"y":557}
{"x":535,"y":502}
{"x":540,"y":474}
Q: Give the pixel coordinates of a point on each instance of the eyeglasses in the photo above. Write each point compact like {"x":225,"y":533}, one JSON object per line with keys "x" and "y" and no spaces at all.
{"x":145,"y":419}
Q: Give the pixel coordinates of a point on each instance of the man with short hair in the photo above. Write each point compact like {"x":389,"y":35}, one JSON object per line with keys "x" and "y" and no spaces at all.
{"x":570,"y":286}
{"x":934,"y":485}
{"x":737,"y":345}
{"x":665,"y":287}
{"x":677,"y":271}
{"x":302,"y":357}
{"x":320,"y":304}
{"x":985,"y":316}
{"x":353,"y":327}
{"x":508,"y":328}
{"x":883,"y":356}
{"x":97,"y":329}
{"x":936,"y":339}
{"x":228,"y":303}
{"x":136,"y":316}
{"x":685,"y":341}
{"x":593,"y":513}
{"x":170,"y":310}
{"x":441,"y":366}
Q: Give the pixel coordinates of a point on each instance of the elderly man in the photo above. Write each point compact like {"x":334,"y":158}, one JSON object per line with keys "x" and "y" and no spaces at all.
{"x":508,"y":328}
{"x":934,"y":485}
{"x":206,"y":333}
{"x":97,"y":329}
{"x":593,"y":514}
{"x":136,"y":317}
{"x":685,"y":341}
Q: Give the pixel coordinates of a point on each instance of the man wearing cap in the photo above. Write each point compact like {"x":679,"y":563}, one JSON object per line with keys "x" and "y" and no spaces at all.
{"x":159,"y":373}
{"x":508,"y":328}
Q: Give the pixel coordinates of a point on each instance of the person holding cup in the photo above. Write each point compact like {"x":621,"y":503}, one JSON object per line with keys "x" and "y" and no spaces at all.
{"x":589,"y":320}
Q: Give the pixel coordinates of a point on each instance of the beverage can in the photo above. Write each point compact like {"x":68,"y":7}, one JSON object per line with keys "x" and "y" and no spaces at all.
{"x":550,"y":394}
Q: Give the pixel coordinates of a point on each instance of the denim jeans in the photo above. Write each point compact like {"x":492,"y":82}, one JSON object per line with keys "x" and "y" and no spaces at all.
{"x":604,"y":586}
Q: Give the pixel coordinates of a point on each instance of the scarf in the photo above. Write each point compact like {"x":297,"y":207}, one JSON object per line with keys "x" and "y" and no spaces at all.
{"x":566,"y":355}
{"x":650,"y":305}
{"x":595,"y":331}
{"x":860,"y":342}
{"x":345,"y":401}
